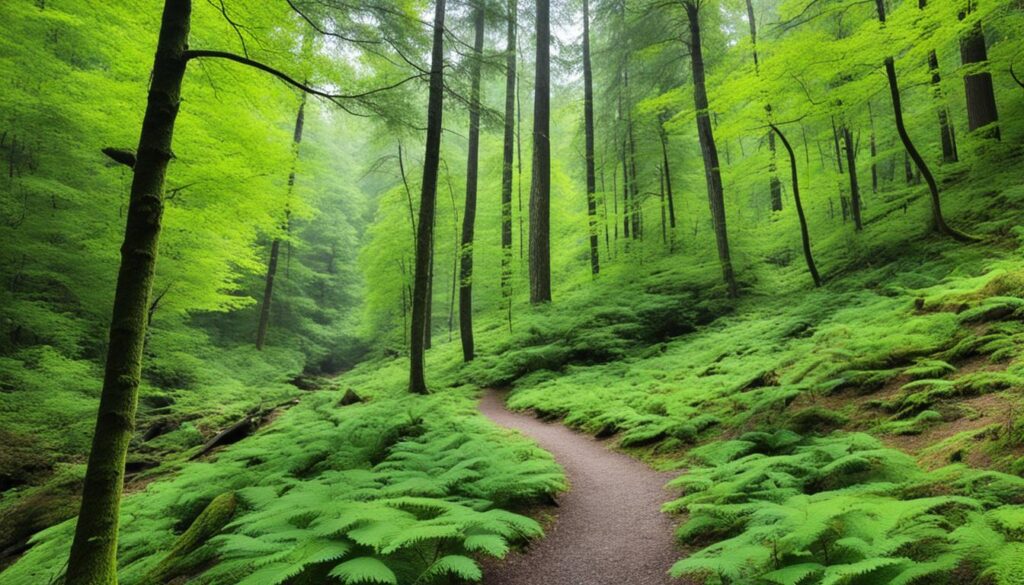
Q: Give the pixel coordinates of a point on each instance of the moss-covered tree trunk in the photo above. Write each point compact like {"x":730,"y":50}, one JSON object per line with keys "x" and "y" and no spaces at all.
{"x":428,"y":201}
{"x":472,"y":168}
{"x":978,"y":89}
{"x":93,"y":559}
{"x":588,"y":117}
{"x":709,"y":151}
{"x":540,"y":188}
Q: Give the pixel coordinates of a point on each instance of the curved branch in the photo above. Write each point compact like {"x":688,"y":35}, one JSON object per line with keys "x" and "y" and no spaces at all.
{"x":334,"y":97}
{"x":1014,"y":76}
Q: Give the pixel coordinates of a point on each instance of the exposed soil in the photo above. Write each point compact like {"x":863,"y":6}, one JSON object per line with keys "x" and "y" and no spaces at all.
{"x":608,"y":528}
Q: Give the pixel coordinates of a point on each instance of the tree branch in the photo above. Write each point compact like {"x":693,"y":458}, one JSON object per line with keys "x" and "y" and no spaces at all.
{"x":334,"y":97}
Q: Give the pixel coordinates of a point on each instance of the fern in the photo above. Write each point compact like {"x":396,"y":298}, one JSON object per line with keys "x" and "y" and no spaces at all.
{"x":364,"y":570}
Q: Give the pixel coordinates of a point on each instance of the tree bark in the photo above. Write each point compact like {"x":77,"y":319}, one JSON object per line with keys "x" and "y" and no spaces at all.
{"x":948,"y":138}
{"x":634,"y":183}
{"x":716,"y":196}
{"x":268,"y":292}
{"x":981,"y":97}
{"x":508,"y":151}
{"x":668,"y":177}
{"x":661,"y":206}
{"x":93,"y":558}
{"x":428,"y":202}
{"x":540,"y":188}
{"x":851,"y":165}
{"x":625,"y":195}
{"x":804,"y":236}
{"x":275,"y":246}
{"x":874,"y":151}
{"x":472,"y":169}
{"x":588,"y":115}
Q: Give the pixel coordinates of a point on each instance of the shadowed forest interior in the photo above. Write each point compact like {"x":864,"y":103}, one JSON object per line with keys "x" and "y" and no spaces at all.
{"x":286,"y":285}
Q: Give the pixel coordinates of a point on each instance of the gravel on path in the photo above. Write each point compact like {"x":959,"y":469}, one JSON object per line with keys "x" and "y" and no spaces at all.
{"x":609,"y":528}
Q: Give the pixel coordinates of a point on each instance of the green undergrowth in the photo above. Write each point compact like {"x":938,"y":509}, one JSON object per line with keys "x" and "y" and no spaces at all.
{"x":191,"y":389}
{"x":813,"y":361}
{"x":394,"y":489}
{"x":786,"y":509}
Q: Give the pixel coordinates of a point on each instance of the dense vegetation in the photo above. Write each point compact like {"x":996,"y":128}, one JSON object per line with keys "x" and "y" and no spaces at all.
{"x":773,"y":246}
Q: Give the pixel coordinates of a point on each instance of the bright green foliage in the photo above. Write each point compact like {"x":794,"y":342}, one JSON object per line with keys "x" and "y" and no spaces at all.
{"x":366,"y":493}
{"x":775,"y":396}
{"x":842,"y":509}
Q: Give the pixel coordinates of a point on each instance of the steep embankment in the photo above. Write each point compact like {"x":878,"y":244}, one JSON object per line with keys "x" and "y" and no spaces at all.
{"x":609,"y":528}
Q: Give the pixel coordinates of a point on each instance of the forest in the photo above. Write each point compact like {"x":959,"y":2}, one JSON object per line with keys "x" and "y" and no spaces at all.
{"x":513,"y":292}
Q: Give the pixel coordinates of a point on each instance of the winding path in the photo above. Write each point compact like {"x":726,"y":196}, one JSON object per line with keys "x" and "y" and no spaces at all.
{"x":609,"y":529}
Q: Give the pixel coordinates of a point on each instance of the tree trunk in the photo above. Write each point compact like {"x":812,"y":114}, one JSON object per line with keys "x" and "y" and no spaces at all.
{"x":851,"y":165}
{"x":508,"y":151}
{"x":981,"y":97}
{"x":938,"y":221}
{"x":588,"y":115}
{"x":268,"y":292}
{"x":93,"y":558}
{"x":874,"y":152}
{"x":661,"y":201}
{"x":835,"y":143}
{"x":625,"y":195}
{"x":540,"y":188}
{"x":774,"y":185}
{"x":275,"y":246}
{"x":804,"y":236}
{"x":428,"y":201}
{"x":948,"y":138}
{"x":716,"y":196}
{"x":428,"y":324}
{"x":634,"y":190}
{"x":668,"y":178}
{"x":472,"y":168}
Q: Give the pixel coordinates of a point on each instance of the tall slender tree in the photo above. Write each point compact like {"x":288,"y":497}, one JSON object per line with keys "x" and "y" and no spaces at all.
{"x":851,"y":166}
{"x":472,"y":168}
{"x":938,"y":221}
{"x":663,"y":134}
{"x":93,"y":559}
{"x":588,"y":117}
{"x":805,"y":237}
{"x":275,"y":245}
{"x":508,"y":152}
{"x":712,"y":171}
{"x":774,"y":185}
{"x":540,"y":187}
{"x":428,"y":204}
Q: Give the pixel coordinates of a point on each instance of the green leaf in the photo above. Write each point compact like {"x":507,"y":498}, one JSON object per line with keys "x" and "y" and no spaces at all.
{"x":364,"y":570}
{"x":793,"y":574}
{"x":458,"y":565}
{"x":491,"y":544}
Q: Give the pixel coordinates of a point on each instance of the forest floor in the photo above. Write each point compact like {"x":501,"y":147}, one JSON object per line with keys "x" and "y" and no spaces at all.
{"x":609,"y":528}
